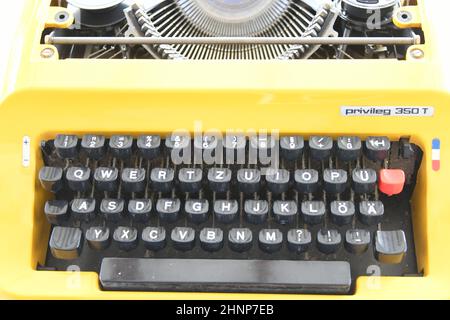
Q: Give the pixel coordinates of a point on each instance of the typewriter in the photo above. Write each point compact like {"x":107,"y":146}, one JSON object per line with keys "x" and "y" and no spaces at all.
{"x":165,"y":149}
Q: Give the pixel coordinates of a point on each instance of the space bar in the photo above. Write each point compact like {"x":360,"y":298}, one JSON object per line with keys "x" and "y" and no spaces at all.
{"x":225,"y":275}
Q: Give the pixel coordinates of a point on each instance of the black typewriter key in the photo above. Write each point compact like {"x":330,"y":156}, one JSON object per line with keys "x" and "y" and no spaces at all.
{"x":162,"y":179}
{"x":168,"y":209}
{"x":256,"y":211}
{"x":190,"y":179}
{"x":78,"y":178}
{"x":93,"y":146}
{"x":225,"y":210}
{"x":51,"y":178}
{"x":298,"y":240}
{"x":211,"y":239}
{"x":320,"y":147}
{"x":270,"y":240}
{"x":240,"y":239}
{"x":126,"y":238}
{"x":207,"y":147}
{"x":306,"y":180}
{"x":291,"y":147}
{"x":133,"y":179}
{"x":235,"y":148}
{"x":277,"y":180}
{"x":106,"y":179}
{"x":66,"y":146}
{"x":328,"y":240}
{"x":285,"y":212}
{"x":197,"y":210}
{"x":377,"y":148}
{"x":262,"y":147}
{"x":371,"y":212}
{"x":219,"y":179}
{"x":335,"y":180}
{"x":98,"y":238}
{"x":183,"y":238}
{"x":248,"y":180}
{"x":121,"y":146}
{"x":364,"y":180}
{"x":357,"y":240}
{"x":56,"y":211}
{"x":83,"y":209}
{"x":112,"y":209}
{"x":177,"y":144}
{"x":390,"y":246}
{"x":313,"y":212}
{"x":154,"y":238}
{"x":348,"y":148}
{"x":65,"y":243}
{"x":342,"y":212}
{"x":139,"y":209}
{"x":149,"y":146}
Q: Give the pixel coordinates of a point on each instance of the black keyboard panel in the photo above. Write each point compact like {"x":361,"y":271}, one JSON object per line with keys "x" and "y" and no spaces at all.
{"x":369,"y":242}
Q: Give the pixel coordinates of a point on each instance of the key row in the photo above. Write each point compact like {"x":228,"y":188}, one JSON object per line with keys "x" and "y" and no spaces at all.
{"x":390,"y":181}
{"x":225,"y":211}
{"x":390,"y":246}
{"x":348,"y":148}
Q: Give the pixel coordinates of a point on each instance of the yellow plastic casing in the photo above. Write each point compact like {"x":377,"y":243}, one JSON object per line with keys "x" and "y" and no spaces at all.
{"x":44,"y":96}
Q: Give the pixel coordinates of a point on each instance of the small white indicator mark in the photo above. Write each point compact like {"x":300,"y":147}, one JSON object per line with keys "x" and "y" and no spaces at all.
{"x":26,"y":151}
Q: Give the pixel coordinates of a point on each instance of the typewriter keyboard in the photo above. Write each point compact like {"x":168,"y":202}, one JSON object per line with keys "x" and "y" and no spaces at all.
{"x":238,"y":213}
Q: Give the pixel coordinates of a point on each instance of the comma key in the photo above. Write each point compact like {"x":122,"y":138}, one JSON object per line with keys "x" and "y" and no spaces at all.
{"x":298,"y":240}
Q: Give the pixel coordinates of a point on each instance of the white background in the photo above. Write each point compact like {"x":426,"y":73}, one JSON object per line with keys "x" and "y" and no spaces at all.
{"x":10,"y":11}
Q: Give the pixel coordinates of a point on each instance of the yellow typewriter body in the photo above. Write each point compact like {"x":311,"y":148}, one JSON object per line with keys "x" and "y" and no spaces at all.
{"x":44,"y":95}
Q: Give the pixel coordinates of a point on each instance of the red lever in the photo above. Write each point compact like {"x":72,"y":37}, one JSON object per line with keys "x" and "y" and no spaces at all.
{"x":391,"y":181}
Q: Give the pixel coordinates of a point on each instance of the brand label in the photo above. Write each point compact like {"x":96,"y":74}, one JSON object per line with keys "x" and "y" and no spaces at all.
{"x":390,"y":111}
